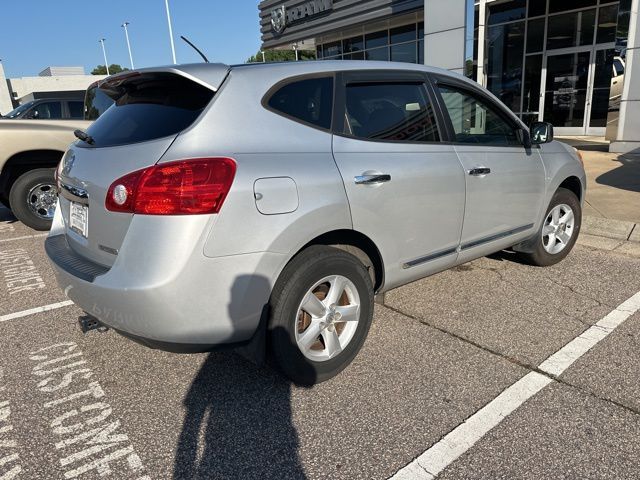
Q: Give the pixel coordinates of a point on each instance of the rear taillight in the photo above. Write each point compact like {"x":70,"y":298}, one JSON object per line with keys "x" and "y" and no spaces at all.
{"x":185,"y":187}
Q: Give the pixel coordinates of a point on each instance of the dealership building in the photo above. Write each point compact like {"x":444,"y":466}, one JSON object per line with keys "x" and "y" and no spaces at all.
{"x":574,"y":63}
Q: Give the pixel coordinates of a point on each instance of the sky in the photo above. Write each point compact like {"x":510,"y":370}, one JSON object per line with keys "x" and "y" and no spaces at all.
{"x":67,"y":33}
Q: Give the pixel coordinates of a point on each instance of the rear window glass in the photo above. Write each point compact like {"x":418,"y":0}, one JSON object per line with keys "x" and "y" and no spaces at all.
{"x":147,"y":107}
{"x":308,"y":100}
{"x":96,"y":103}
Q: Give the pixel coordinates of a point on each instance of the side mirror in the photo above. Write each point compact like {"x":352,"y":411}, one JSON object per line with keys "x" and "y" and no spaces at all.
{"x":541,"y":132}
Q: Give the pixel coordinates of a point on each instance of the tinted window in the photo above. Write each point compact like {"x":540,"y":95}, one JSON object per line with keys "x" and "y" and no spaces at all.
{"x":571,"y":29}
{"x":607,"y":22}
{"x":476,"y":121}
{"x":47,"y":111}
{"x":619,"y":67}
{"x":564,"y":5}
{"x":390,"y":111}
{"x":506,"y":11}
{"x":76,"y":110}
{"x":308,"y":100}
{"x":96,"y":103}
{"x":148,"y":106}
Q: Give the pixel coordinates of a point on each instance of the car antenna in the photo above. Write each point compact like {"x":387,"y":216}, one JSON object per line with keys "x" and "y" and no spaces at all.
{"x":195,"y":48}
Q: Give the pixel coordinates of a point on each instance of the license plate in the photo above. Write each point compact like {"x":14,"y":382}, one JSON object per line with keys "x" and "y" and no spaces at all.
{"x":78,"y":217}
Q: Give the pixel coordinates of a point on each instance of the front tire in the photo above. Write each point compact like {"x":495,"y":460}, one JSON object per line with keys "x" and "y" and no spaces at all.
{"x":33,"y":198}
{"x":321,"y":311}
{"x":559,"y":231}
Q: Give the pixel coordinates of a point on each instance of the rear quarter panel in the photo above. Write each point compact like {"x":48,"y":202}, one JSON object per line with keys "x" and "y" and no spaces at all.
{"x":265,"y":144}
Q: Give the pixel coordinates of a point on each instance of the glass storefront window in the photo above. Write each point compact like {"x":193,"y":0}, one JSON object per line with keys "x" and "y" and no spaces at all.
{"x":406,"y":33}
{"x":537,"y":7}
{"x":376,"y":39}
{"x":566,"y":89}
{"x":571,"y":29}
{"x":377,"y":54}
{"x":556,"y":6}
{"x":607,"y":22}
{"x":404,"y":52}
{"x":506,"y":11}
{"x":504,"y":54}
{"x":354,"y":44}
{"x":332,"y":49}
{"x":531,"y":91}
{"x":535,"y":35}
{"x":602,"y":87}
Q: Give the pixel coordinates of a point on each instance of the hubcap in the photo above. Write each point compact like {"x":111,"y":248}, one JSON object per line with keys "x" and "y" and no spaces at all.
{"x":558,"y":228}
{"x":327,"y":318}
{"x":42,"y":200}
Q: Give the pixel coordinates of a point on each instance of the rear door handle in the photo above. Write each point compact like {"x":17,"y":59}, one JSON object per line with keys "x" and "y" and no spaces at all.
{"x":372,"y":179}
{"x":479,"y":171}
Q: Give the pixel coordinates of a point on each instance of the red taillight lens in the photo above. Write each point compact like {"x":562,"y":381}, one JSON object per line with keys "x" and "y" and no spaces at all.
{"x":186,"y":187}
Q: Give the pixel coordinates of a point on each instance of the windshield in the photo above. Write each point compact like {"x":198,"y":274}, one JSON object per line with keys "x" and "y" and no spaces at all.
{"x":17,"y":112}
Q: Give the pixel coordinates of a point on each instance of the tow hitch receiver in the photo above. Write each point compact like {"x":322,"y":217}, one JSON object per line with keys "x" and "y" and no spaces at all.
{"x":88,"y":323}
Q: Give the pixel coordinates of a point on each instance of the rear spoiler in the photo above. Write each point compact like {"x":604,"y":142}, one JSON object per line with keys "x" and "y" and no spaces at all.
{"x":209,"y":75}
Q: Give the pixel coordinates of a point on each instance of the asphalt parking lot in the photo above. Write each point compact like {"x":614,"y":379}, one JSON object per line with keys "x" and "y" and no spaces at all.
{"x":440,"y":352}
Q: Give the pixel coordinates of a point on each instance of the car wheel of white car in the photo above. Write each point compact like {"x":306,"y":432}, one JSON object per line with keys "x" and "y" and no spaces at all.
{"x":321,"y":310}
{"x":559,"y":230}
{"x":33,"y":198}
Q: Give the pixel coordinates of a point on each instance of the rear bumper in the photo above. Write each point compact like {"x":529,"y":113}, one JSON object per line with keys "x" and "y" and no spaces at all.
{"x":182,"y":301}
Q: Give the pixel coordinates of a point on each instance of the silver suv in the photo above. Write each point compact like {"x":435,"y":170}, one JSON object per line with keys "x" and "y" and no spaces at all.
{"x":267,"y":204}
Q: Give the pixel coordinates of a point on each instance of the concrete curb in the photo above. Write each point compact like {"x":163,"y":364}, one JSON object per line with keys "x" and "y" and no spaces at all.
{"x":610,"y":228}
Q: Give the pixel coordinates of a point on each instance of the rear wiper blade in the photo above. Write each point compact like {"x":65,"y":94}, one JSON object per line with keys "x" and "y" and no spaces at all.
{"x":84,"y":136}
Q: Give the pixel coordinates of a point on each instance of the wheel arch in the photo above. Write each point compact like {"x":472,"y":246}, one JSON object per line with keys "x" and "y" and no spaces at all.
{"x":22,"y":162}
{"x":357,"y":244}
{"x":574,"y":185}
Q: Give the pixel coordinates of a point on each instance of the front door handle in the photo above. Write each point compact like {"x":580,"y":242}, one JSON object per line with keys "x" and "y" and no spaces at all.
{"x":372,"y":179}
{"x":479,"y":171}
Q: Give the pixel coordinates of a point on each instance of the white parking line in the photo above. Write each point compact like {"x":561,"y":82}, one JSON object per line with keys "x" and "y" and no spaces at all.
{"x":32,"y":311}
{"x":24,"y":237}
{"x":442,"y":454}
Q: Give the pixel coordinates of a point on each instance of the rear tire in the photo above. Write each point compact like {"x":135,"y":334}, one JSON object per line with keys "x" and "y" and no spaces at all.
{"x":33,"y":198}
{"x":310,"y":348}
{"x":559,"y":230}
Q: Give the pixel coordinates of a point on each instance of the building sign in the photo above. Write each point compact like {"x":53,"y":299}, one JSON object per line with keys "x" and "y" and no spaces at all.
{"x":282,"y":16}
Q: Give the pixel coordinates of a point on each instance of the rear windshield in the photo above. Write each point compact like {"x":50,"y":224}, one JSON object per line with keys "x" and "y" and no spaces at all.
{"x":96,"y":103}
{"x":147,"y":106}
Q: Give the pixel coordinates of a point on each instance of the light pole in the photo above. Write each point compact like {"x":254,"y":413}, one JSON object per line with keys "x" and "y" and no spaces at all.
{"x":262,"y":53}
{"x":173,"y":48}
{"x":104,"y":53}
{"x":126,"y":34}
{"x":295,"y":49}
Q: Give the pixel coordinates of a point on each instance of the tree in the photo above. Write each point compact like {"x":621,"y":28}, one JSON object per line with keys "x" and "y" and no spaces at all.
{"x":282,"y":56}
{"x":113,"y":68}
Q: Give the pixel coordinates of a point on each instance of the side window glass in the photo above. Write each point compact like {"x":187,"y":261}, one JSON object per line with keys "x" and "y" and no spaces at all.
{"x":390,"y":111}
{"x":309,"y":100}
{"x":619,"y":67}
{"x":47,"y":111}
{"x":76,"y":110}
{"x":475,"y":121}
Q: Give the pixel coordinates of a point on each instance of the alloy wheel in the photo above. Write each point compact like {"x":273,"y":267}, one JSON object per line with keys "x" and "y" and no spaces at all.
{"x":558,"y":228}
{"x":327,"y":318}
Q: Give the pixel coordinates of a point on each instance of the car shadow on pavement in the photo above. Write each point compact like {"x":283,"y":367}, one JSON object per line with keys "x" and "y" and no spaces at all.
{"x":626,"y":176}
{"x":237,"y":423}
{"x":238,"y":420}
